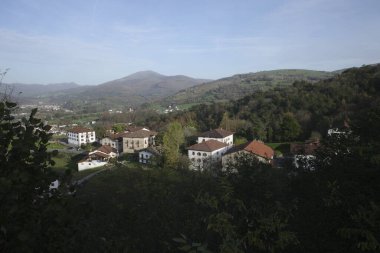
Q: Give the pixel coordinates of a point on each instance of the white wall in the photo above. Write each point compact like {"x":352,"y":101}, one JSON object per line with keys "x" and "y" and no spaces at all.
{"x":197,"y":157}
{"x":228,"y":140}
{"x":90,"y":165}
{"x":81,"y":138}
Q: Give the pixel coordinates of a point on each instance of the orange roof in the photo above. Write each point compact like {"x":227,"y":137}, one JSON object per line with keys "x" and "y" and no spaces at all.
{"x":80,"y":130}
{"x":106,"y":149}
{"x":254,"y":147}
{"x":97,"y":153}
{"x":216,"y":133}
{"x":115,"y":136}
{"x":208,"y":146}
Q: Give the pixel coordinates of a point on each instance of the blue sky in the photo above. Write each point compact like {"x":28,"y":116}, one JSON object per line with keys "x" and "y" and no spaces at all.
{"x":90,"y":42}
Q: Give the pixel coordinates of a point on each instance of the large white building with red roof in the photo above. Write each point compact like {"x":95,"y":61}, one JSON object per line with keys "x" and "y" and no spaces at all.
{"x":80,"y":135}
{"x":206,"y":152}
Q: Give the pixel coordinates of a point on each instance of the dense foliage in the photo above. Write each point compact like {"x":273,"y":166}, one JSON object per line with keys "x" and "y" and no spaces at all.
{"x":30,"y":211}
{"x":294,"y":112}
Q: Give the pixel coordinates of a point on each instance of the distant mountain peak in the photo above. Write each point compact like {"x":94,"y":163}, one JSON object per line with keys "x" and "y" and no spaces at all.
{"x":143,"y":74}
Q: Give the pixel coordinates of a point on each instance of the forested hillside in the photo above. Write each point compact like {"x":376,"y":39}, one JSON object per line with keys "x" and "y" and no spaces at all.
{"x":238,"y":86}
{"x":294,"y":112}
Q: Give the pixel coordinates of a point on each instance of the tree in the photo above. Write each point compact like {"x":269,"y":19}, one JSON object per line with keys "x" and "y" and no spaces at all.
{"x":28,"y":205}
{"x":118,"y":128}
{"x":172,"y":140}
{"x":290,"y":128}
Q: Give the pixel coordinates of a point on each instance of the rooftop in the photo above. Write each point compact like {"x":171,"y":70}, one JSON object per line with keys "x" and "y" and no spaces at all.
{"x":254,"y":147}
{"x":106,"y":149}
{"x":208,"y":146}
{"x":79,"y":129}
{"x":140,"y":134}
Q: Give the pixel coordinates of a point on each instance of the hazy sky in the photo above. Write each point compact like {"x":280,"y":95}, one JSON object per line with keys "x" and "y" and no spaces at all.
{"x":90,"y":42}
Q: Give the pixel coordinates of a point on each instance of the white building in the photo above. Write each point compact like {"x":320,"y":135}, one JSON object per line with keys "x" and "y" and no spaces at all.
{"x":114,"y":140}
{"x":97,"y":158}
{"x":146,"y":154}
{"x":206,"y":152}
{"x":80,"y":135}
{"x":219,"y":134}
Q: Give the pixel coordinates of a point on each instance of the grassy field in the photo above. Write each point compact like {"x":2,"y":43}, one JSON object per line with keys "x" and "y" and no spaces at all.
{"x":55,"y":145}
{"x":65,"y":161}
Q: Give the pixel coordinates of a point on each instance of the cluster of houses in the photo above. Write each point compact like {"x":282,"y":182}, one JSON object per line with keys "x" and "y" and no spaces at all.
{"x":132,"y":140}
{"x":212,"y":147}
{"x":216,"y":147}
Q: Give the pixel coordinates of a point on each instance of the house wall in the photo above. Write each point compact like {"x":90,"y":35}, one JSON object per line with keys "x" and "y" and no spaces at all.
{"x":80,"y":138}
{"x":231,"y":157}
{"x":144,"y":156}
{"x":85,"y":165}
{"x":228,"y":140}
{"x":130,"y":145}
{"x":113,"y":143}
{"x":199,"y":158}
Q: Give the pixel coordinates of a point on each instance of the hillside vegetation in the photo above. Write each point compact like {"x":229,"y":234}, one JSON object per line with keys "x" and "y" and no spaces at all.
{"x":240,"y":85}
{"x":295,"y":112}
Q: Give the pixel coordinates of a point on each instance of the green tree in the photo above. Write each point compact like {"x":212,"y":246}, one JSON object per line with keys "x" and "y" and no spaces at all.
{"x":172,"y":141}
{"x":28,"y":210}
{"x":118,"y":128}
{"x":290,"y":128}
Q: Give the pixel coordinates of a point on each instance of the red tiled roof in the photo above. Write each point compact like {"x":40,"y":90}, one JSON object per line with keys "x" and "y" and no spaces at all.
{"x":208,"y":146}
{"x":115,"y":136}
{"x":140,"y":134}
{"x":134,"y":128}
{"x":80,"y":130}
{"x":216,"y":133}
{"x":97,"y":153}
{"x":254,"y":147}
{"x":106,"y":149}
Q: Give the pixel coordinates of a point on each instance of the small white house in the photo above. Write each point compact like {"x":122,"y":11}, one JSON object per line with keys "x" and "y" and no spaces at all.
{"x":80,"y":135}
{"x":114,"y":140}
{"x":146,"y":154}
{"x":219,"y":134}
{"x":210,"y":151}
{"x":97,"y":158}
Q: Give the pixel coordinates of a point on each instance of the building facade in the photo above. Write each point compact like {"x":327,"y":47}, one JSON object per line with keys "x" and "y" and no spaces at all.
{"x":114,"y":140}
{"x":258,"y":149}
{"x":206,"y":153}
{"x":80,"y":135}
{"x":138,"y":140}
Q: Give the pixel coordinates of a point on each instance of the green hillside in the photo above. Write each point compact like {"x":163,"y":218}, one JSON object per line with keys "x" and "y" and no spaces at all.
{"x":240,"y":85}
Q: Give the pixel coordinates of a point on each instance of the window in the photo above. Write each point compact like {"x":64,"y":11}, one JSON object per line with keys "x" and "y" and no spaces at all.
{"x":198,"y":160}
{"x":193,"y":153}
{"x":192,"y":159}
{"x":199,"y":153}
{"x":204,"y":154}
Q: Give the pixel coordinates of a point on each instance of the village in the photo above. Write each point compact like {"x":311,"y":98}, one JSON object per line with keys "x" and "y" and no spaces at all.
{"x":213,"y":148}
